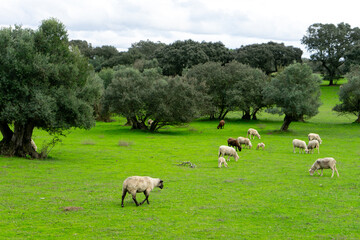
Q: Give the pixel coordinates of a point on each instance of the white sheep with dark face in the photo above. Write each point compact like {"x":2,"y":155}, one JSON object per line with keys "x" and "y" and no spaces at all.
{"x":136,"y":184}
{"x":324,"y":163}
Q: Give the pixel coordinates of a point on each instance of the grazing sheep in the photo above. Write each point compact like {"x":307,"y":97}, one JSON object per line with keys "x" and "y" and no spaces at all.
{"x":260,"y":145}
{"x":253,"y":132}
{"x":221,"y":161}
{"x":244,"y":141}
{"x":225,"y":150}
{"x":221,"y":124}
{"x":324,"y":163}
{"x":33,"y":145}
{"x":232,"y":142}
{"x":150,"y":121}
{"x":300,"y":144}
{"x":312,"y":145}
{"x":314,"y":136}
{"x":136,"y":184}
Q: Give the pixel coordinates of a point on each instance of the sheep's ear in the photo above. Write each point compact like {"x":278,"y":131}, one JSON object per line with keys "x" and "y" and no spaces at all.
{"x":161,"y":181}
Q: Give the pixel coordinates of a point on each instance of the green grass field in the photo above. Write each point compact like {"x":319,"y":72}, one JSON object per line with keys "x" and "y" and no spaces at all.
{"x":76,"y":193}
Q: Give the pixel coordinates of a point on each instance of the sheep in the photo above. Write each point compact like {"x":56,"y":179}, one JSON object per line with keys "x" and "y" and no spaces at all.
{"x":324,"y":163}
{"x":314,"y":136}
{"x":232,"y":142}
{"x":312,"y":145}
{"x":225,"y":150}
{"x":136,"y":184}
{"x":244,"y":141}
{"x":150,"y":121}
{"x":221,"y":161}
{"x":33,"y":145}
{"x":253,"y":132}
{"x":300,"y":144}
{"x":260,"y":145}
{"x":221,"y":124}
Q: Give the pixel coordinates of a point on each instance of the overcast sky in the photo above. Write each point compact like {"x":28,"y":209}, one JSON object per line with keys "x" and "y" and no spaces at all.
{"x":234,"y":23}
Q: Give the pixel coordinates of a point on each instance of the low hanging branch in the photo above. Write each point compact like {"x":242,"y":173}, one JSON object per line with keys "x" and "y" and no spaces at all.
{"x":187,"y":163}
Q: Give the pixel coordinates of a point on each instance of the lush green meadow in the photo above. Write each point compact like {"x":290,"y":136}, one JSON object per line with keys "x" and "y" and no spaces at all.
{"x":76,"y":193}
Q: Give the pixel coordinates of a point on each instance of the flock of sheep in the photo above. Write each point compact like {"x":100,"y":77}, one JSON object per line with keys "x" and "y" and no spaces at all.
{"x":314,"y":142}
{"x":138,"y":184}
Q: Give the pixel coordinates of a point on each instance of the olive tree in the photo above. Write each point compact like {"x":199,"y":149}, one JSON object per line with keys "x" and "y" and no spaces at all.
{"x":349,"y":95}
{"x":295,"y":92}
{"x":44,"y":84}
{"x":141,"y":96}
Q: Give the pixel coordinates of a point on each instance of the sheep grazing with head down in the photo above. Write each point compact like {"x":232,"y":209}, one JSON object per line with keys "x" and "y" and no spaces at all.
{"x":229,"y":151}
{"x":324,"y":163}
{"x":312,"y":145}
{"x":260,"y":145}
{"x":221,"y":124}
{"x":253,"y":132}
{"x":314,"y":136}
{"x":136,"y":184}
{"x":222,"y":161}
{"x":301,"y":145}
{"x":244,"y":141}
{"x":232,"y":142}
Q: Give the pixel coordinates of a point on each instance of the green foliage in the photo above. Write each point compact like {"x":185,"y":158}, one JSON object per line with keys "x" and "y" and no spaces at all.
{"x":140,"y":96}
{"x":176,"y":57}
{"x":349,"y":95}
{"x":329,"y":45}
{"x":269,"y":57}
{"x":227,"y":88}
{"x":295,"y":92}
{"x":43,"y":83}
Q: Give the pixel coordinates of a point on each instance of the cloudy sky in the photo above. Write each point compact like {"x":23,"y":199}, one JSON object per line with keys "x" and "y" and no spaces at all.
{"x":234,"y":23}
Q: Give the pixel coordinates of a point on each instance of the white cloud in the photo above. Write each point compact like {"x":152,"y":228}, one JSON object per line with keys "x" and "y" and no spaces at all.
{"x":235,"y":23}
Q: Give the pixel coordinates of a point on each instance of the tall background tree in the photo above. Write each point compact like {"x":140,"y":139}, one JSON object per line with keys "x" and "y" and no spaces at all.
{"x":295,"y":92}
{"x":329,"y":45}
{"x":268,"y":57}
{"x":42,"y":85}
{"x":349,"y":95}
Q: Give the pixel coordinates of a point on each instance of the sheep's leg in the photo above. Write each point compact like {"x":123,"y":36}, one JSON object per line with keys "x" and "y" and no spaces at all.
{"x":146,"y":198}
{"x":122,"y":198}
{"x":228,"y":158}
{"x":294,"y":150}
{"x":318,"y":150}
{"x":333,"y":169}
{"x":321,"y":172}
{"x":336,"y":171}
{"x":134,"y":198}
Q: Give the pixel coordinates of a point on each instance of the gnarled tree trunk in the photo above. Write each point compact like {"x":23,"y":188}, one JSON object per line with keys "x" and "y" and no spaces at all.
{"x":17,"y":142}
{"x":286,"y":124}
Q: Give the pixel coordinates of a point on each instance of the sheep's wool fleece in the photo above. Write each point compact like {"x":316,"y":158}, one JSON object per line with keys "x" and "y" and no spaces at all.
{"x":140,"y":184}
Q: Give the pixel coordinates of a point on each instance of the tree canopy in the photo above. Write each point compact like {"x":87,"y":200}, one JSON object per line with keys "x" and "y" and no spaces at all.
{"x":140,"y":96}
{"x":329,"y":45}
{"x":349,"y":94}
{"x":42,"y":84}
{"x":268,"y":56}
{"x":295,"y":92}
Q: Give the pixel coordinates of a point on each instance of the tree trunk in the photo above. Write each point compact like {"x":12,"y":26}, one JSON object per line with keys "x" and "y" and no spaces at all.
{"x":128,"y":122}
{"x":20,"y":143}
{"x":358,"y":119}
{"x":222,"y":117}
{"x":286,"y":124}
{"x":253,"y":115}
{"x":246,"y":115}
{"x":331,"y":81}
{"x":137,"y":124}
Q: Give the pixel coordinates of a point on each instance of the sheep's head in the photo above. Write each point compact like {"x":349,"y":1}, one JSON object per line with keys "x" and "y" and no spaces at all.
{"x":311,"y":171}
{"x":306,"y":150}
{"x":161,"y":185}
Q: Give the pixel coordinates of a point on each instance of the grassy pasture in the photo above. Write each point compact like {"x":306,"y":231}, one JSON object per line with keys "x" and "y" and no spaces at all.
{"x":76,"y":194}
